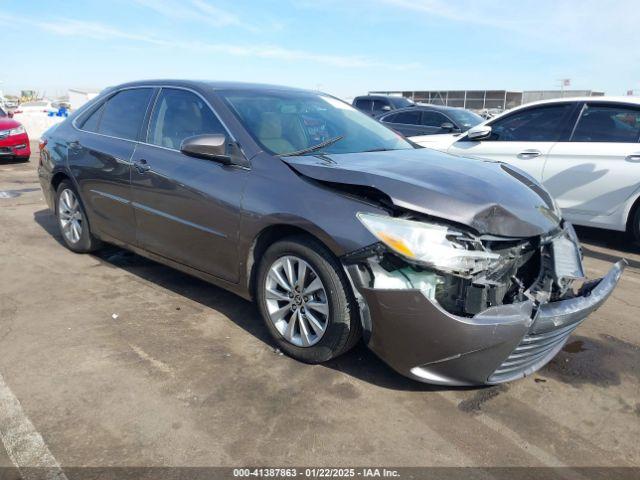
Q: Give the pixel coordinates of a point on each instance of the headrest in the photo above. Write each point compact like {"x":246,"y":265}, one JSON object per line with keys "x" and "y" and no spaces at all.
{"x":270,"y":125}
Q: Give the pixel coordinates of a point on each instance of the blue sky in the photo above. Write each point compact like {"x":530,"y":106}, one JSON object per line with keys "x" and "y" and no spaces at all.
{"x":343,"y":47}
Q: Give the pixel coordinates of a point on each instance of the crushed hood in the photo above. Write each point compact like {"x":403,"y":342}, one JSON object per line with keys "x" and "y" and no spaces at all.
{"x":490,"y":197}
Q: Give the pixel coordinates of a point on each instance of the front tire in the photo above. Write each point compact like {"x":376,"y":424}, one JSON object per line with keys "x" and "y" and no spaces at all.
{"x":306,"y":301}
{"x":72,"y":220}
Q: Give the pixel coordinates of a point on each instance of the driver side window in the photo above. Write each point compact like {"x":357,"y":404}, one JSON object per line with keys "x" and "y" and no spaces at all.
{"x":538,"y":124}
{"x":180,"y":114}
{"x":433,"y":119}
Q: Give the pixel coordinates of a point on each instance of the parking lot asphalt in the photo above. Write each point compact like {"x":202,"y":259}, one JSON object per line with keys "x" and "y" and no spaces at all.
{"x":115,"y":360}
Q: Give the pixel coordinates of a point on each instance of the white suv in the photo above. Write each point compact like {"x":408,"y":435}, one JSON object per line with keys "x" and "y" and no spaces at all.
{"x":585,"y":151}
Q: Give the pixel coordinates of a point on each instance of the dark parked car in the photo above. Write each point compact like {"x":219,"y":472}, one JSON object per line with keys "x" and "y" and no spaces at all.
{"x":430,"y":120}
{"x":375,"y":105}
{"x":454,"y":271}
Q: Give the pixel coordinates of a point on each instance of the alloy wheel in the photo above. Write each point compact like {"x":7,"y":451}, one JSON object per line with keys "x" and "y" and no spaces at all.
{"x":70,"y":216}
{"x":296,"y":301}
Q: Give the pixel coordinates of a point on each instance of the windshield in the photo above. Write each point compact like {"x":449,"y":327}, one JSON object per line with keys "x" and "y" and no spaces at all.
{"x":465,"y":119}
{"x":283,"y":122}
{"x":2,"y":113}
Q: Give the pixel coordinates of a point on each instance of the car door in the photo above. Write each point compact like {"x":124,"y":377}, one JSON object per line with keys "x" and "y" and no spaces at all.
{"x":187,"y":209}
{"x":100,"y":155}
{"x":598,"y":169}
{"x":522,"y":138}
{"x":407,"y":123}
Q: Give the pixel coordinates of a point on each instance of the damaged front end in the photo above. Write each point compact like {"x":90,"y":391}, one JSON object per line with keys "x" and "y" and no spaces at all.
{"x":442,"y":305}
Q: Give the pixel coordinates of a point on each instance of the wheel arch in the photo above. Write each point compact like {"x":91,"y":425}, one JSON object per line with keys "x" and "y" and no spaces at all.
{"x":267,"y":237}
{"x":58,"y":178}
{"x":632,"y":210}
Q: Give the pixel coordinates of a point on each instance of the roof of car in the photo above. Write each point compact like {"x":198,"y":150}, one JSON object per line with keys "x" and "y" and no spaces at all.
{"x":208,"y":84}
{"x":611,"y":99}
{"x":377,"y":96}
{"x":604,"y":99}
{"x":424,"y":106}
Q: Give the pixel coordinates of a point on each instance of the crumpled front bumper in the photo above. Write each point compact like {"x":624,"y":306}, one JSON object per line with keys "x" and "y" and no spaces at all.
{"x":419,"y":339}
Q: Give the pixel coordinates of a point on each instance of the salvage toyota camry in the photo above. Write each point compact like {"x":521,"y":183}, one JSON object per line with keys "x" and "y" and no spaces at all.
{"x":454,"y":271}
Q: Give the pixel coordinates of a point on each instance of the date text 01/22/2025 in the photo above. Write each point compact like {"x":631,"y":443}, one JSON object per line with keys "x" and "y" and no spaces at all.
{"x":315,"y":473}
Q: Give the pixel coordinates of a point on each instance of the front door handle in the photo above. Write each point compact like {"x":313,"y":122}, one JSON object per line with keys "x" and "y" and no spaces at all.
{"x":634,"y":158}
{"x":530,"y":153}
{"x":142,"y":166}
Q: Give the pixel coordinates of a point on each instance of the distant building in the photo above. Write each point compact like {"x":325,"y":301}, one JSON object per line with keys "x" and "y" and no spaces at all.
{"x":485,"y":99}
{"x":28,"y":95}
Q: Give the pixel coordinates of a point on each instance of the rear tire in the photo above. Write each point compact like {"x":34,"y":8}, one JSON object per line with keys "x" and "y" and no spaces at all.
{"x":72,"y":220}
{"x":634,"y":227}
{"x":300,"y":281}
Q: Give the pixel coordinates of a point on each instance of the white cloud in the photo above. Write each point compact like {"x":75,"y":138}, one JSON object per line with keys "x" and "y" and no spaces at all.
{"x":78,"y":28}
{"x":97,"y":31}
{"x":196,"y":11}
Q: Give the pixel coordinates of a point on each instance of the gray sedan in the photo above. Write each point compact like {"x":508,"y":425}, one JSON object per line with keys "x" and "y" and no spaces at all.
{"x":454,"y":271}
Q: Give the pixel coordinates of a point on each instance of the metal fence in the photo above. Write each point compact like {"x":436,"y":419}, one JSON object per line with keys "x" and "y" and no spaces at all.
{"x":486,"y":99}
{"x":471,"y":99}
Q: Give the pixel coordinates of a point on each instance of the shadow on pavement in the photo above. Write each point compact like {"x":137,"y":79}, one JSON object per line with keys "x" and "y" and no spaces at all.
{"x":610,"y":239}
{"x":360,"y":362}
{"x":13,"y":161}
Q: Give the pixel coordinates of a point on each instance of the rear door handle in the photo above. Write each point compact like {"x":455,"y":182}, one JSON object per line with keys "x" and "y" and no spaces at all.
{"x":530,"y":153}
{"x":634,"y":158}
{"x":142,"y":166}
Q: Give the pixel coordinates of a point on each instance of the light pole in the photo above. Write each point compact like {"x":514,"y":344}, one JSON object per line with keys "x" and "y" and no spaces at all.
{"x":564,"y":82}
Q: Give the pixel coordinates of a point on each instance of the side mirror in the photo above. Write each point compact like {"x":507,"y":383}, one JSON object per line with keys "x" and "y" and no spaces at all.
{"x":386,"y":108}
{"x":209,"y":147}
{"x":480,"y":132}
{"x":10,"y":114}
{"x":447,"y":126}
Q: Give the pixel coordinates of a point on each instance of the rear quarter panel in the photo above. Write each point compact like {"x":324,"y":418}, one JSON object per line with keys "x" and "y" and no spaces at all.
{"x":53,"y":159}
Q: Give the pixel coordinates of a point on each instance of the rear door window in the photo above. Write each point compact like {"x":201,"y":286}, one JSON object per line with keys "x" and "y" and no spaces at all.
{"x":538,"y":124}
{"x":180,"y":114}
{"x":608,"y":123}
{"x":408,"y":118}
{"x":124,"y":113}
{"x":92,"y":121}
{"x":389,"y":118}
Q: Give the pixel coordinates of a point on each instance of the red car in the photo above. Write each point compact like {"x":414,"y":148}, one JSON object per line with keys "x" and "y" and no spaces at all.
{"x":14,"y":141}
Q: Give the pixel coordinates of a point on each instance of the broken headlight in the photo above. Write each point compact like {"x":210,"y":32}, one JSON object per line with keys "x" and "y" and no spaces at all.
{"x":431,"y":245}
